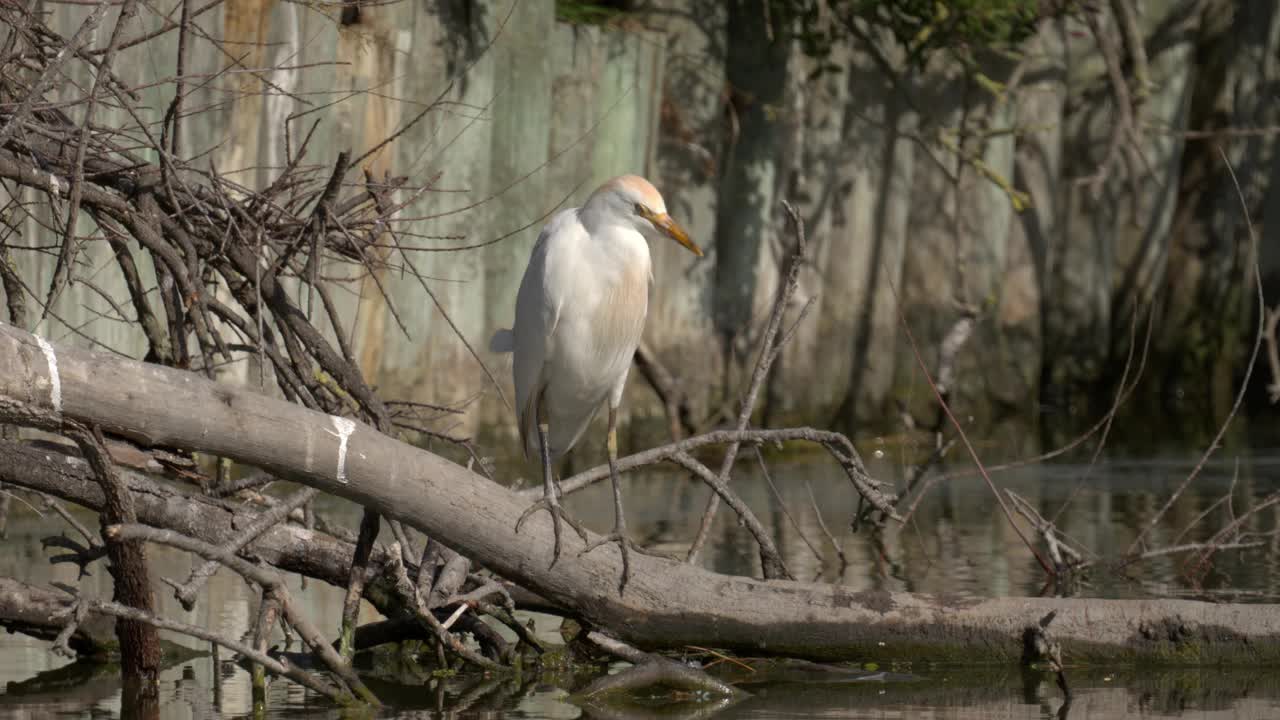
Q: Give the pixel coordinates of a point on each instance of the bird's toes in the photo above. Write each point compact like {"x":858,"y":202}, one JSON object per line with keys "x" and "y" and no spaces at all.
{"x":612,"y":537}
{"x":540,"y":504}
{"x":577,"y":527}
{"x":525,"y":515}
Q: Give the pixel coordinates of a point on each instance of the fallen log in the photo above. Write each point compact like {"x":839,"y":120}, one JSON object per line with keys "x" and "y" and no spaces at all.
{"x":43,"y":613}
{"x":47,"y":468}
{"x":667,"y":604}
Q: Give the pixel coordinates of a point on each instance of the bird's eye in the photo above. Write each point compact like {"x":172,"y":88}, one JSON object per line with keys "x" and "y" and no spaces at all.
{"x":641,"y":210}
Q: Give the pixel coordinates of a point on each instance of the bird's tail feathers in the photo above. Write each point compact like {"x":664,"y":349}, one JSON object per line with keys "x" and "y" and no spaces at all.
{"x":503,"y":341}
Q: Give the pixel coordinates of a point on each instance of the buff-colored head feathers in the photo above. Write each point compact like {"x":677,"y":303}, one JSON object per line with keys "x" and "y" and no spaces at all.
{"x":637,"y":187}
{"x":635,"y":199}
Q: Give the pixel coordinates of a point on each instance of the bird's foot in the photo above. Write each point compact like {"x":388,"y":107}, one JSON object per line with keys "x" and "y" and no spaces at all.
{"x":558,"y":516}
{"x":625,"y":545}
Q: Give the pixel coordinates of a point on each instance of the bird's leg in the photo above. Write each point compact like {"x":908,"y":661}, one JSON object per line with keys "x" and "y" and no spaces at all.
{"x":619,"y":534}
{"x":549,"y":495}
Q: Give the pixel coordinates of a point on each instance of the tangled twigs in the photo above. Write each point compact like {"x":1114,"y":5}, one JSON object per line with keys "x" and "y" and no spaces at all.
{"x":1231,"y":537}
{"x":1063,"y":555}
{"x":409,"y":593}
{"x":186,"y":593}
{"x":198,"y":228}
{"x":272,"y":585}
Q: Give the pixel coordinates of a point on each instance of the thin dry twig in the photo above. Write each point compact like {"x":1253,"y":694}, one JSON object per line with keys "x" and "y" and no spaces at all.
{"x":768,"y":353}
{"x":836,"y":444}
{"x":973,"y":454}
{"x":186,"y":593}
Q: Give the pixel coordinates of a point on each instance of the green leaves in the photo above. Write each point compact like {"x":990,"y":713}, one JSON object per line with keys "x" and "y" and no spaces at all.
{"x":920,"y":27}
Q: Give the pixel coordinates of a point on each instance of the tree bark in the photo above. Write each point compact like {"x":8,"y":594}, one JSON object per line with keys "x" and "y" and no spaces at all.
{"x":756,"y":81}
{"x":139,"y":643}
{"x":667,"y":604}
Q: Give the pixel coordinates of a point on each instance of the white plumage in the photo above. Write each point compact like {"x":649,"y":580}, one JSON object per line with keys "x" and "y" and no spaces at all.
{"x":580,"y":313}
{"x":581,"y":308}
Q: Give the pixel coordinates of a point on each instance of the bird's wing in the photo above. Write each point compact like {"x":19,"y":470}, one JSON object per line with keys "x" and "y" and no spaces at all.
{"x":537,"y":312}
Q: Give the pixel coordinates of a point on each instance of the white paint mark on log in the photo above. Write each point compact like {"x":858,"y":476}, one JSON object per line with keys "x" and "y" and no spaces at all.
{"x":55,"y":381}
{"x":344,"y":427}
{"x":454,"y":617}
{"x":310,"y":451}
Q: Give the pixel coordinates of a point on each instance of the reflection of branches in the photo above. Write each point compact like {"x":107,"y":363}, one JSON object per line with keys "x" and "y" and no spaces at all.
{"x":649,"y":670}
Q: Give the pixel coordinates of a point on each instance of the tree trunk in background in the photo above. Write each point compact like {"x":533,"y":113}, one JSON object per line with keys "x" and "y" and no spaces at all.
{"x":1111,"y":259}
{"x":959,"y":218}
{"x":851,"y":180}
{"x":368,"y":59}
{"x":1037,"y":171}
{"x":757,"y":59}
{"x":1269,"y":235}
{"x":1076,"y":290}
{"x":1208,"y":306}
{"x":867,"y":258}
{"x":817,"y":180}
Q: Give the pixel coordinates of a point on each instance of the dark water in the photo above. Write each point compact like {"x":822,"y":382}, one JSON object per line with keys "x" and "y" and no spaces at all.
{"x":956,"y":541}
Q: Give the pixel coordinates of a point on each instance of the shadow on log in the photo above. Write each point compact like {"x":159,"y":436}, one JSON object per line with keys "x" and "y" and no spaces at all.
{"x":667,"y":604}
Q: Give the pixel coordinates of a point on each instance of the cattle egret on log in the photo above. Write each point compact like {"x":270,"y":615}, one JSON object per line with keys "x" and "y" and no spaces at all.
{"x":579,"y":315}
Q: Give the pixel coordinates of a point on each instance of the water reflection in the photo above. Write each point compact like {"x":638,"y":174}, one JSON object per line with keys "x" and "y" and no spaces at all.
{"x":956,"y":542}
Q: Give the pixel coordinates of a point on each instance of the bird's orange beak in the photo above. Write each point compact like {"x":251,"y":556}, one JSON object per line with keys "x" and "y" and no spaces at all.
{"x":671,"y":228}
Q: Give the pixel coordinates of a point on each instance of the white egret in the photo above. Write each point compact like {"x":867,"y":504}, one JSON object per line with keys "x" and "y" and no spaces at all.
{"x":579,"y":315}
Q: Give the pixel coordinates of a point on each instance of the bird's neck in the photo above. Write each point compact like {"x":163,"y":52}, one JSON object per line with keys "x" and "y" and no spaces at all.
{"x":595,"y":217}
{"x":611,"y":232}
